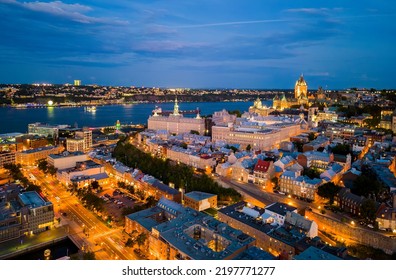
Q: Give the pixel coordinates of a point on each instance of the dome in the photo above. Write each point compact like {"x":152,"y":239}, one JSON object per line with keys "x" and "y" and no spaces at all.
{"x":258,"y":103}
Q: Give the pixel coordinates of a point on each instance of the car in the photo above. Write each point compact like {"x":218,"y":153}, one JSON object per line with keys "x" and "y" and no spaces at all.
{"x":370,"y":226}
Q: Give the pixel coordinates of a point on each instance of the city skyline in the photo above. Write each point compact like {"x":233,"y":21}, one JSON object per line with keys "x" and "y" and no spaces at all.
{"x":198,"y":45}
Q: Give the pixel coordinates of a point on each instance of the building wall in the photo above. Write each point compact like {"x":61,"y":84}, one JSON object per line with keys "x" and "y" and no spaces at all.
{"x":343,"y":231}
{"x":65,"y":176}
{"x":29,"y":158}
{"x":176,"y":124}
{"x":7,"y":158}
{"x":66,"y":162}
{"x":10,"y":228}
{"x":75,"y":145}
{"x":261,"y":178}
{"x":41,"y":219}
{"x":263,"y":241}
{"x":263,"y":141}
{"x":201,"y":205}
{"x":289,"y":185}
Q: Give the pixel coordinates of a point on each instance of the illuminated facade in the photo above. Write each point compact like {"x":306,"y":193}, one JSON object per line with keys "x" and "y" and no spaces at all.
{"x":300,"y":96}
{"x":259,"y":137}
{"x":200,"y":200}
{"x":81,"y":142}
{"x":27,"y":213}
{"x":7,"y":158}
{"x":75,"y":144}
{"x":176,"y":123}
{"x":259,"y":108}
{"x":66,"y":159}
{"x":301,"y":89}
{"x":30,"y":157}
{"x":300,"y":186}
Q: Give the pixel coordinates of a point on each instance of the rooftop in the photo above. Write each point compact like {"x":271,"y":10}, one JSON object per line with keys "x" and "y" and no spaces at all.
{"x":47,"y":148}
{"x":280,"y":208}
{"x":197,"y":196}
{"x":313,"y":253}
{"x":65,"y":154}
{"x":33,"y":200}
{"x":262,"y":166}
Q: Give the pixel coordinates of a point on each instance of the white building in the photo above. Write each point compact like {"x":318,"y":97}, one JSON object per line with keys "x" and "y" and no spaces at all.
{"x":176,"y":123}
{"x":66,"y":159}
{"x":278,"y":211}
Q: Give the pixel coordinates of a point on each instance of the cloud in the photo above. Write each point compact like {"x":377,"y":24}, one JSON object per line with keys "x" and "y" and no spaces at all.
{"x":73,"y":12}
{"x":232,"y":23}
{"x":314,"y":11}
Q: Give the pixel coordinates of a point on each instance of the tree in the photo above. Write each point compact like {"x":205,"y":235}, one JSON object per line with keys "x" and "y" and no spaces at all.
{"x":368,"y":210}
{"x":341,"y":149}
{"x":328,"y":190}
{"x":235,"y":112}
{"x":121,"y":184}
{"x":311,"y":136}
{"x":366,"y":183}
{"x":194,"y":132}
{"x":94,"y":185}
{"x":141,"y":239}
{"x":183,"y":145}
{"x":275,"y":180}
{"x":248,"y":147}
{"x":311,"y":172}
{"x":129,"y":243}
{"x":42,"y":165}
{"x":52,"y":170}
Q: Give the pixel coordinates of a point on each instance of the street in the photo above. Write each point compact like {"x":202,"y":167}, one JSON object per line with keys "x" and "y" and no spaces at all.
{"x":85,"y":228}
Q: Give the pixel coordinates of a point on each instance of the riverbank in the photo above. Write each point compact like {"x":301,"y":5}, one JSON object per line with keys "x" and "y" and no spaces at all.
{"x":14,"y":248}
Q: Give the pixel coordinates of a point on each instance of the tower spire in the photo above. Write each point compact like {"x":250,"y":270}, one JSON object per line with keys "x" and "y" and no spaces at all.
{"x":176,"y":108}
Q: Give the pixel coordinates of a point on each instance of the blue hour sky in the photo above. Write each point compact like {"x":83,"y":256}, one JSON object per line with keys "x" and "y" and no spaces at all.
{"x":208,"y":43}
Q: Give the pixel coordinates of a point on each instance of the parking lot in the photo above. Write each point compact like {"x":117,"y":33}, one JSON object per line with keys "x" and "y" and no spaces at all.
{"x":116,"y":201}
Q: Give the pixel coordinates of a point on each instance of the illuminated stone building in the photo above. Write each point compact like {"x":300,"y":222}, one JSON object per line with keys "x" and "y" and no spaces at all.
{"x":259,"y":108}
{"x":264,"y":133}
{"x":301,"y":89}
{"x":30,"y":157}
{"x":300,"y":96}
{"x":200,"y":200}
{"x":176,"y":123}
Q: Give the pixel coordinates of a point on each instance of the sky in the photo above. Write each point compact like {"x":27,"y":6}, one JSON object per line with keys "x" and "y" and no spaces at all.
{"x":263,"y":44}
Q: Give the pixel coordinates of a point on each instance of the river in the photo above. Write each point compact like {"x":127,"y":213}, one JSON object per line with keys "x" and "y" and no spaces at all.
{"x":17,"y":120}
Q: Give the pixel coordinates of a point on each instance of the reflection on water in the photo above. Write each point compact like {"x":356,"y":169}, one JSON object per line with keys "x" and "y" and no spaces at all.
{"x":17,"y":120}
{"x":50,"y":112}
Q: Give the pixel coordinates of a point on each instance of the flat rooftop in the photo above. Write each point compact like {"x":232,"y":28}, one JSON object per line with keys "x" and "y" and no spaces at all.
{"x":66,"y":154}
{"x":33,"y":199}
{"x":197,"y":196}
{"x":39,"y":149}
